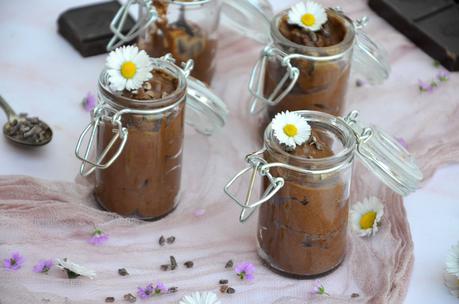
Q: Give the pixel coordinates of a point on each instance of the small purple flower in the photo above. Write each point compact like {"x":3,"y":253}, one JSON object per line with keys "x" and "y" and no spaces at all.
{"x":160,"y":288}
{"x":245,"y":270}
{"x":318,"y":288}
{"x":15,"y":262}
{"x":43,"y":266}
{"x":443,"y":76}
{"x":145,"y":293}
{"x":425,"y":87}
{"x":98,"y":237}
{"x":89,"y":102}
{"x":199,"y":212}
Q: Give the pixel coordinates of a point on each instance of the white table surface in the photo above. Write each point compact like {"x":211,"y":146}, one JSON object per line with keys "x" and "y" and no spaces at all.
{"x":41,"y":74}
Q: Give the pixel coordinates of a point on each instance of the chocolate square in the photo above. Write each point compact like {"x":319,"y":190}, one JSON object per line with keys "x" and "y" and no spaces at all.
{"x":87,"y":28}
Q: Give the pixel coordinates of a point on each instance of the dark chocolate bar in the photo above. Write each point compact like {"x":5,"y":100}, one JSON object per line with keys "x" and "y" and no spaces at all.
{"x":433,"y":25}
{"x":87,"y":28}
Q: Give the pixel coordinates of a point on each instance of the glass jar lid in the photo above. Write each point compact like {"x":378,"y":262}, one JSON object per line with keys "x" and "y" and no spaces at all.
{"x":369,"y":59}
{"x":385,"y":156}
{"x":251,"y":18}
{"x":206,"y":112}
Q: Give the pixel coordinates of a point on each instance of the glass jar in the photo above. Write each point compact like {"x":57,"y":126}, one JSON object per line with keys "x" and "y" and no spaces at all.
{"x":303,"y":210}
{"x":187,"y":28}
{"x":139,"y":143}
{"x":291,"y":76}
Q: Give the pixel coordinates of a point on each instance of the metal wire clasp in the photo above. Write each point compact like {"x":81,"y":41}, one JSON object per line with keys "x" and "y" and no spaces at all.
{"x":258,"y":165}
{"x":100,"y":113}
{"x":146,"y":15}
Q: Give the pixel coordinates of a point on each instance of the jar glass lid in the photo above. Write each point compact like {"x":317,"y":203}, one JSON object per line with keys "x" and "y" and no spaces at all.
{"x":206,"y":112}
{"x":369,"y":59}
{"x":385,"y":157}
{"x":251,"y":18}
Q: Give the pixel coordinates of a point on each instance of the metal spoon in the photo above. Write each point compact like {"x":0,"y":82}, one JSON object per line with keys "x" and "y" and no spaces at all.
{"x":27,"y":131}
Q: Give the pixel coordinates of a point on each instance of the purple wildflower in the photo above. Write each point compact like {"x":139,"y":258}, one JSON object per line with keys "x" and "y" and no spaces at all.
{"x":199,"y":212}
{"x":98,"y":237}
{"x":89,"y":102}
{"x":160,"y":288}
{"x":43,"y":266}
{"x":443,"y":76}
{"x":145,"y":293}
{"x":425,"y":87}
{"x":318,"y":288}
{"x":245,"y":270}
{"x":15,"y":262}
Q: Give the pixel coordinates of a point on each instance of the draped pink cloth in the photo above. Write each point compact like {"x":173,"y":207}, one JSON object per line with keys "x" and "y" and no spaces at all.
{"x":50,"y":219}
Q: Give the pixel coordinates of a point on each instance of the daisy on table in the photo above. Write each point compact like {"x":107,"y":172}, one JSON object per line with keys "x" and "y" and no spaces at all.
{"x":366,"y":216}
{"x":200,"y":298}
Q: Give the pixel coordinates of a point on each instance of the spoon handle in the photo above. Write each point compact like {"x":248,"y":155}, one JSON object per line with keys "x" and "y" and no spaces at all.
{"x":7,"y":108}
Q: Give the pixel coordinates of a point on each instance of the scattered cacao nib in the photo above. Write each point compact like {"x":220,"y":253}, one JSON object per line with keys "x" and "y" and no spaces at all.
{"x":170,"y":240}
{"x":162,"y":240}
{"x":130,"y":298}
{"x":223,"y":288}
{"x":173,"y":262}
{"x":188,"y":264}
{"x":355,"y":295}
{"x":109,"y":299}
{"x":230,"y":290}
{"x":223,"y":281}
{"x":359,"y":83}
{"x":229,"y":264}
{"x":165,"y":267}
{"x":123,"y":272}
{"x":172,"y":289}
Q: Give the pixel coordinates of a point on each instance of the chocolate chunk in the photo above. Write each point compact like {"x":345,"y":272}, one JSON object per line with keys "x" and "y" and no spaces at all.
{"x":161,"y":240}
{"x":130,"y":298}
{"x":109,"y":299}
{"x":188,"y":264}
{"x":87,"y":28}
{"x":223,"y":281}
{"x":230,"y":290}
{"x":172,"y":289}
{"x":171,"y":240}
{"x":430,"y":24}
{"x":173,"y":262}
{"x":123,"y":272}
{"x":229,"y":264}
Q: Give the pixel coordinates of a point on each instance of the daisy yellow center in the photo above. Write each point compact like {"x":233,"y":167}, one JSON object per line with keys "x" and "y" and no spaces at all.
{"x":290,"y":130}
{"x":308,"y":19}
{"x":367,"y":220}
{"x":128,"y":69}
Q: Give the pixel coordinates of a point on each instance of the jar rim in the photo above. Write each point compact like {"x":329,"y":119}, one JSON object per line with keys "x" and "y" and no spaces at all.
{"x":118,"y":101}
{"x":189,"y":3}
{"x":337,"y":124}
{"x":343,"y":45}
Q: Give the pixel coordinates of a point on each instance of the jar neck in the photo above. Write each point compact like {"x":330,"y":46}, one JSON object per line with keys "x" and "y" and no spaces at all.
{"x":290,"y":47}
{"x":119,"y":102}
{"x":339,"y":133}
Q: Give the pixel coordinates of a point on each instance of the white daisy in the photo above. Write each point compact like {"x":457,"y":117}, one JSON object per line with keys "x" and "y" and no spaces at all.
{"x":452,"y":282}
{"x":452,"y":261}
{"x":200,"y":298}
{"x":128,"y":68}
{"x":309,"y":15}
{"x":291,"y":129}
{"x":74,"y":270}
{"x":366,"y":216}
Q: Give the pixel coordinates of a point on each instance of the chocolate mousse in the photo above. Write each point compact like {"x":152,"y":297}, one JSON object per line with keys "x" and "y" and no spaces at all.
{"x":183,"y":39}
{"x":302,"y":228}
{"x":144,"y":181}
{"x":321,"y":85}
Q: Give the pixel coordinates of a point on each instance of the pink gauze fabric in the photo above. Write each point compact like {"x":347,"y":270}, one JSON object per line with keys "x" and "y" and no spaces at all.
{"x":46,"y":219}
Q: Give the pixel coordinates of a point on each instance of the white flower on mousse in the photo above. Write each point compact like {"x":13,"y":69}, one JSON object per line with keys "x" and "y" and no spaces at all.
{"x":74,"y":270}
{"x":452,"y":282}
{"x":200,"y":298}
{"x":366,"y":216}
{"x":291,"y":129}
{"x":128,"y":68}
{"x":309,"y":15}
{"x":452,"y":261}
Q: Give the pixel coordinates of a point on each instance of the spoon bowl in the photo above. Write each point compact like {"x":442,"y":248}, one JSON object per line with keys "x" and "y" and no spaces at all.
{"x":24,"y":130}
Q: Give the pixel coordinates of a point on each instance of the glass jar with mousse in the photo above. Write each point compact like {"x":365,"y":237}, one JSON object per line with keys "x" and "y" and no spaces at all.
{"x":304,"y":206}
{"x":308,"y":69}
{"x":138,"y":139}
{"x":188,"y":29}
